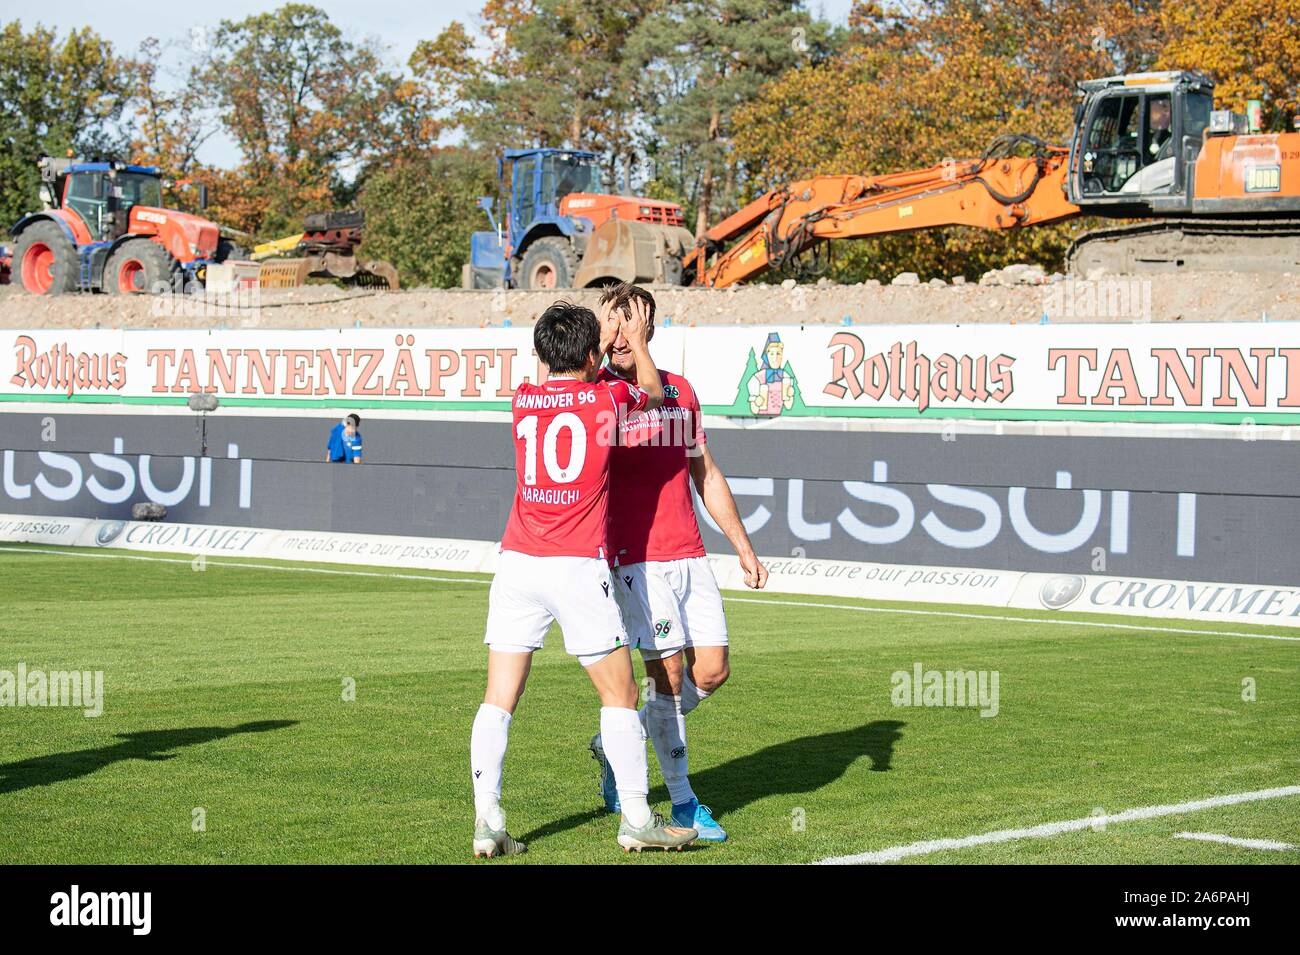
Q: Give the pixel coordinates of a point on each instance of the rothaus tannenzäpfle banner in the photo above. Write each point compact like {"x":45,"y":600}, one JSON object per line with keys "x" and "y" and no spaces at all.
{"x":1218,"y":372}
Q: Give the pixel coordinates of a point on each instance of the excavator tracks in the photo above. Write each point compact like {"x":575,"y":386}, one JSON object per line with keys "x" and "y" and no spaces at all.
{"x":1175,"y":245}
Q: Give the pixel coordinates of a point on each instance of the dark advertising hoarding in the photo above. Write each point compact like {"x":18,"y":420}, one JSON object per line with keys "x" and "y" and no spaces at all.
{"x":1192,"y":509}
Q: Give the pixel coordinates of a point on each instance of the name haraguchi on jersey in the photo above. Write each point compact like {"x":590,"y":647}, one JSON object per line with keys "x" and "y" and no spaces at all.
{"x":563,"y":430}
{"x":653,"y":513}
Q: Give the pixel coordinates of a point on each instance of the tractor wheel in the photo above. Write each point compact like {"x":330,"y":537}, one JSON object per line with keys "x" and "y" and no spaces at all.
{"x":140,"y":265}
{"x":46,"y":260}
{"x":549,"y":263}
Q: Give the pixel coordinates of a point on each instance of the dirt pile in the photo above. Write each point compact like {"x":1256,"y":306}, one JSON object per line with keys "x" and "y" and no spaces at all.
{"x":1160,"y":298}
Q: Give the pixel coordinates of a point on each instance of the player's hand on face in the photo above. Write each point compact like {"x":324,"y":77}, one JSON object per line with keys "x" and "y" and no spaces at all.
{"x":755,"y":572}
{"x":636,"y":322}
{"x":609,"y":322}
{"x":605,"y":312}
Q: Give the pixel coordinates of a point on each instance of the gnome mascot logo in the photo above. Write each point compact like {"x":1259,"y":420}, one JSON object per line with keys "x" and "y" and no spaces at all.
{"x":771,"y":390}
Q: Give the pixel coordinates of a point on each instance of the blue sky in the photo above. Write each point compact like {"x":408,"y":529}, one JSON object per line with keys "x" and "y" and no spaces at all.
{"x":397,"y":25}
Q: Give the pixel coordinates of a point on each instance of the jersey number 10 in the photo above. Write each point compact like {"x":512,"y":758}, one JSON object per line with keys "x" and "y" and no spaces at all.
{"x":527,"y":430}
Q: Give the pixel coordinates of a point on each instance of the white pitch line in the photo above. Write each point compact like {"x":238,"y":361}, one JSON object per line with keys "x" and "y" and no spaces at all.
{"x":989,"y":616}
{"x":1047,"y":829}
{"x":1234,"y":841}
{"x":223,"y":562}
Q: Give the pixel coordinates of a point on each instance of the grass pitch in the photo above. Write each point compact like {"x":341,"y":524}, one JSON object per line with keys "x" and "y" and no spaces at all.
{"x":226,"y":735}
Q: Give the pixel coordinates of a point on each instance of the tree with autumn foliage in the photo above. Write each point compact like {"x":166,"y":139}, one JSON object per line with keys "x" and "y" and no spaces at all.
{"x":303,"y":103}
{"x":939,"y":80}
{"x":1251,"y":48}
{"x":172,"y":122}
{"x":55,"y":96}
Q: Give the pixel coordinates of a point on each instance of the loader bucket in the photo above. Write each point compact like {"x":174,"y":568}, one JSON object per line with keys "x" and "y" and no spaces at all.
{"x":374,"y":273}
{"x":284,"y":273}
{"x":625,"y":251}
{"x":291,"y":273}
{"x":378,"y":273}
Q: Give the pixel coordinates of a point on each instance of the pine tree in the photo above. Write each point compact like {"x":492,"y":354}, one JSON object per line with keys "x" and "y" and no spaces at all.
{"x":698,"y":62}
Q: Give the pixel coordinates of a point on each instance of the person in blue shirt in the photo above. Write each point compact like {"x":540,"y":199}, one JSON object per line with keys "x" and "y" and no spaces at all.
{"x":345,"y":441}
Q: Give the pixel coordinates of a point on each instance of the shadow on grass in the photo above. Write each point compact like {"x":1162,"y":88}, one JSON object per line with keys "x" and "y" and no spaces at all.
{"x":150,"y":745}
{"x":802,"y":765}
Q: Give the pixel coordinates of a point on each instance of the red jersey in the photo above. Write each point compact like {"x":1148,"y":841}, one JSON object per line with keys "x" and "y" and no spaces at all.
{"x":564,"y":429}
{"x":653,"y":517}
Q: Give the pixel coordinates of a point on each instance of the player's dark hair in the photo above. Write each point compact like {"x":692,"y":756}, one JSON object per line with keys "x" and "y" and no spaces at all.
{"x":566,"y":336}
{"x":622,"y":293}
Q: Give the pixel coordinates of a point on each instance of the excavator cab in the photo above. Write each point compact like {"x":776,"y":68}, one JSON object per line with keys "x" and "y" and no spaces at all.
{"x":1136,"y":141}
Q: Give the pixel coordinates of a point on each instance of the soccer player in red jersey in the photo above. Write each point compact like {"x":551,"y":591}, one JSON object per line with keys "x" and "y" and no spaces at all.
{"x":670,"y":600}
{"x":553,"y":564}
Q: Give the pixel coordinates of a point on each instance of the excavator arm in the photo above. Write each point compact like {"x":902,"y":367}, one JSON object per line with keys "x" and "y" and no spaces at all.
{"x":1001,"y":190}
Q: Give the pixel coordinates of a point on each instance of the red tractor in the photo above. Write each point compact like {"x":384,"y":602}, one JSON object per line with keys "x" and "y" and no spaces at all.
{"x":104,"y":228}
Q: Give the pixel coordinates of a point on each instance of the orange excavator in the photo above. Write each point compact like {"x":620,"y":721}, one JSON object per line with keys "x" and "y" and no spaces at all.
{"x":1205,"y":192}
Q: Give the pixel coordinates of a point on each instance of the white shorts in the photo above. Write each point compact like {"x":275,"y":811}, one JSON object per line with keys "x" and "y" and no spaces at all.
{"x":670,"y":604}
{"x":528,"y":593}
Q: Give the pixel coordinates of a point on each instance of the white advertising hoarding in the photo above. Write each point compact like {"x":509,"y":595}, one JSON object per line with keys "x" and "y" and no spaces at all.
{"x":1223,"y":372}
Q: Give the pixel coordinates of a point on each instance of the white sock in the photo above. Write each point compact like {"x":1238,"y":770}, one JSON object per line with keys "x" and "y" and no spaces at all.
{"x":692,"y":695}
{"x":624,"y":742}
{"x":668,"y":734}
{"x":487,"y":756}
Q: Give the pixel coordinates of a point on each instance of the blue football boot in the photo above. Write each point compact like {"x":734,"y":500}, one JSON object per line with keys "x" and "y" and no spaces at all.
{"x":693,"y":815}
